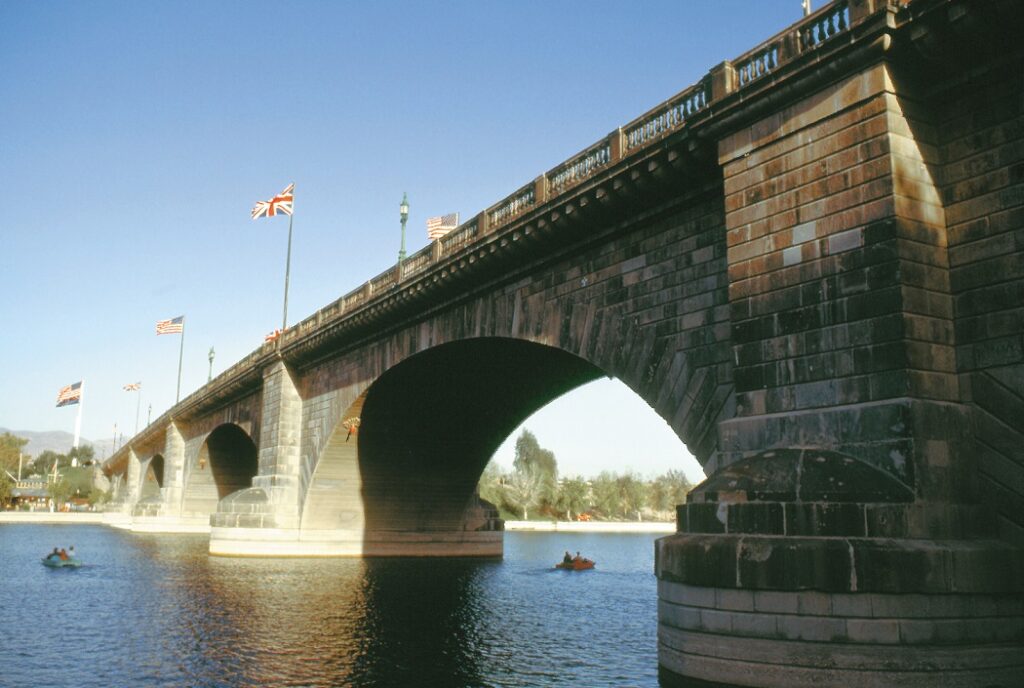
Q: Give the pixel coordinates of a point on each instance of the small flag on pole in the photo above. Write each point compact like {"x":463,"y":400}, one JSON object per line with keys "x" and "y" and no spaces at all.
{"x":273,"y":335}
{"x":72,"y":394}
{"x":437,"y":227}
{"x":132,"y":386}
{"x":172,"y":326}
{"x":281,"y":203}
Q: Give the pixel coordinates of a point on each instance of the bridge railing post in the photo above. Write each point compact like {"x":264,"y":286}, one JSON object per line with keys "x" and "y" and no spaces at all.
{"x":861,"y":9}
{"x":723,"y":80}
{"x":483,"y":225}
{"x":617,"y":144}
{"x":540,"y":189}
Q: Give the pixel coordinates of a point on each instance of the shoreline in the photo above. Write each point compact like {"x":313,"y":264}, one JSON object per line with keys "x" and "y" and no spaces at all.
{"x":61,"y":517}
{"x":591,"y":526}
{"x":101,"y":518}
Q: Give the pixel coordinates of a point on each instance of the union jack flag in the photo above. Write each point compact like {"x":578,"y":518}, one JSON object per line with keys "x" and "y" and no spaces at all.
{"x":72,"y":394}
{"x":437,"y":227}
{"x":172,"y":326}
{"x":281,"y":203}
{"x":133,"y":387}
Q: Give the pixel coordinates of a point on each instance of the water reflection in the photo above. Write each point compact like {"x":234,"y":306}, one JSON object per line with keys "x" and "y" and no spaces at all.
{"x":158,"y":611}
{"x":329,"y":622}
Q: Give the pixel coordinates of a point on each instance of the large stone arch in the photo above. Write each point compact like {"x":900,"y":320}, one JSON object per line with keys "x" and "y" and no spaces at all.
{"x":407,"y":454}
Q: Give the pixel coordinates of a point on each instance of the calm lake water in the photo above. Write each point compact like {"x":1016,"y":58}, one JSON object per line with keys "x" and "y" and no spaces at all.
{"x":158,"y":611}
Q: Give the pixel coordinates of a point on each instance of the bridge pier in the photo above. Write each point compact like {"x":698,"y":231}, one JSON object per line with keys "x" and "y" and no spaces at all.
{"x":803,"y":568}
{"x":263,"y":520}
{"x":841,"y":538}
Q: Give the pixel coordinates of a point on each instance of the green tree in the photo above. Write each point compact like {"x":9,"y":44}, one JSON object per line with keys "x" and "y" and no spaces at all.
{"x":99,"y":496}
{"x":6,"y":485}
{"x":523,"y":488}
{"x":668,"y":490}
{"x":60,"y":490}
{"x":631,"y":493}
{"x":619,"y":496}
{"x":84,"y":453}
{"x":539,"y":464}
{"x":11,"y":447}
{"x":43,"y":463}
{"x":490,"y":486}
{"x":573,"y":497}
{"x":605,"y":494}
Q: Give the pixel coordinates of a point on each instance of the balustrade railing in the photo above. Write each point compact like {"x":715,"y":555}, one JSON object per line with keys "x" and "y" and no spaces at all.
{"x":331,"y":311}
{"x":667,"y":117}
{"x":512,"y":206}
{"x":352,"y":300}
{"x":459,"y":237}
{"x":382,"y":281}
{"x":756,"y":65}
{"x":574,"y":171}
{"x":417,"y":262}
{"x":824,"y":24}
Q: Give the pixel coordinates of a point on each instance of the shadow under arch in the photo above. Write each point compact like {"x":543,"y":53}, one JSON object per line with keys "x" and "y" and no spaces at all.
{"x":232,"y":456}
{"x":153,"y":478}
{"x":227,"y":463}
{"x":430,"y":424}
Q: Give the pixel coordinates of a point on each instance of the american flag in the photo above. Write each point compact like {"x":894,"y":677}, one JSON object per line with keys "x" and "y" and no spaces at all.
{"x":172,"y":326}
{"x":72,"y":394}
{"x":273,"y":335}
{"x":438,"y":226}
{"x":133,"y":387}
{"x":281,"y":203}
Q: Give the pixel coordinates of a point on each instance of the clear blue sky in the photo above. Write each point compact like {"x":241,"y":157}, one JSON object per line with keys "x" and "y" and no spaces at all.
{"x":136,"y":136}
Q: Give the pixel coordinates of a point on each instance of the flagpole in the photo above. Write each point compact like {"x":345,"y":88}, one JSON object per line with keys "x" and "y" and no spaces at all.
{"x":78,"y":416}
{"x":181,"y":353}
{"x":138,"y":405}
{"x":287,"y":273}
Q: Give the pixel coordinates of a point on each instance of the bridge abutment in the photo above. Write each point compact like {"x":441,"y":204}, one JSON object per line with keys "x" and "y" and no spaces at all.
{"x":841,"y":539}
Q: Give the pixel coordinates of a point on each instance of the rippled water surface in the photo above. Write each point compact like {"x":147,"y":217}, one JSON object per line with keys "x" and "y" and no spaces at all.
{"x":158,"y":611}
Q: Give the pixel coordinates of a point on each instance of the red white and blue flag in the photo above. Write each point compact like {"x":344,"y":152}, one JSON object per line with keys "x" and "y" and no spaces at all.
{"x":72,"y":394}
{"x":281,"y":203}
{"x":133,"y":387}
{"x":172,"y":326}
{"x":438,"y":226}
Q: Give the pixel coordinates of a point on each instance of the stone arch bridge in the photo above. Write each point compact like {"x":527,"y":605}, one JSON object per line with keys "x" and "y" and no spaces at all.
{"x":810,"y":263}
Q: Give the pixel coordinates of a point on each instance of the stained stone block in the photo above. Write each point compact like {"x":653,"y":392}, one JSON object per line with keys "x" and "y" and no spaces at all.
{"x":825,"y":519}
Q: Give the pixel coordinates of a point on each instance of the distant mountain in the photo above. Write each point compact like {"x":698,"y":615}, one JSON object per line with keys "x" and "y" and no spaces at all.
{"x":59,"y":441}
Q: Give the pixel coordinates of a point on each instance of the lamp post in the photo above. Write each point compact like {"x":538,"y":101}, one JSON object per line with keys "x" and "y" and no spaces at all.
{"x":403,"y":210}
{"x":210,"y":376}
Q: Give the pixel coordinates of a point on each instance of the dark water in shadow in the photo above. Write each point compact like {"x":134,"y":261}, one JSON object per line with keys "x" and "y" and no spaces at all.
{"x":158,"y":611}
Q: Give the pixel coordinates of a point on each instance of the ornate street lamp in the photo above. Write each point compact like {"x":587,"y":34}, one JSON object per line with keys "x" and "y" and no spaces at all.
{"x":210,"y":376}
{"x":403,"y":210}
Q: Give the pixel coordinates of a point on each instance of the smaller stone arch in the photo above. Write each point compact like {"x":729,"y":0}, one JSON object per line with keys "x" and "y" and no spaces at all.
{"x":231,"y":457}
{"x":153,"y":478}
{"x":226,"y":463}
